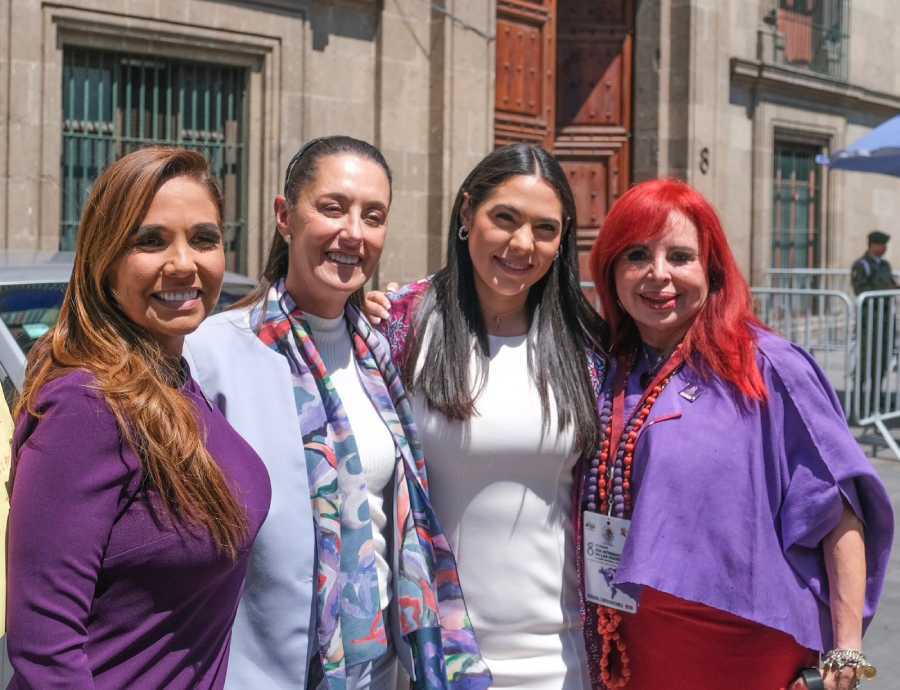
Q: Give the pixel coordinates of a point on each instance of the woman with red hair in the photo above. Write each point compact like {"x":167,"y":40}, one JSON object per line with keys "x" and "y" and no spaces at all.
{"x":732,"y":527}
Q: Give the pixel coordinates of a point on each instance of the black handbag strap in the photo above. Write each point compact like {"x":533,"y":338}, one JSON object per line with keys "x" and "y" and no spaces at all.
{"x":813,"y":679}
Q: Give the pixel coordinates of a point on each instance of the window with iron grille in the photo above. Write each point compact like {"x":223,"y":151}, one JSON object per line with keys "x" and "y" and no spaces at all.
{"x":114,"y":103}
{"x":812,"y":34}
{"x":796,"y":226}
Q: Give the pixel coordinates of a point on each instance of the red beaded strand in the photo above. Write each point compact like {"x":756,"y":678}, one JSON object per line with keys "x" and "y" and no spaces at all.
{"x":609,"y":620}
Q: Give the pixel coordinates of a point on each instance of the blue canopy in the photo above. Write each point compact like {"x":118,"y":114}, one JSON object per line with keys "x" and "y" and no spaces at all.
{"x":877,"y":152}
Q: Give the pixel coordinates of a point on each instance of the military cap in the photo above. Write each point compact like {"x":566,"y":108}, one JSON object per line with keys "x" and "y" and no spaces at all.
{"x":878,"y":237}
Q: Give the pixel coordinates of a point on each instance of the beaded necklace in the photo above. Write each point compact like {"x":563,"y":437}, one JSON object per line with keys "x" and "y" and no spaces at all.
{"x":609,"y":492}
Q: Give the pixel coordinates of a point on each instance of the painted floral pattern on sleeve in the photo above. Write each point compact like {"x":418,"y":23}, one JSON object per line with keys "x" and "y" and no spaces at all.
{"x":397,"y":328}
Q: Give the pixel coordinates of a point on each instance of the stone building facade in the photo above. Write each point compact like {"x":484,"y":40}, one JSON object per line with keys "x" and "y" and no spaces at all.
{"x":415,"y":82}
{"x":746,"y":94}
{"x":733,"y":96}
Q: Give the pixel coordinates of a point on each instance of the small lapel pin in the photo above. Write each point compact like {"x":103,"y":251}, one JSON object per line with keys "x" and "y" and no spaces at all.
{"x":690,"y":392}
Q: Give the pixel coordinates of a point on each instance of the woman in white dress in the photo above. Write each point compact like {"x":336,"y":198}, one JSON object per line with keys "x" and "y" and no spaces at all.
{"x":502,"y":355}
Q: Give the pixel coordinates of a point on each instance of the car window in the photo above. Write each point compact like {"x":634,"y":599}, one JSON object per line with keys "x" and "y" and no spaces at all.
{"x":29,"y":311}
{"x":231,"y":293}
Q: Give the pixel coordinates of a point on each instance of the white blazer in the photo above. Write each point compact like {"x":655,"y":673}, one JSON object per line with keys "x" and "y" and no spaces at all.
{"x":274,"y":631}
{"x":251,"y":385}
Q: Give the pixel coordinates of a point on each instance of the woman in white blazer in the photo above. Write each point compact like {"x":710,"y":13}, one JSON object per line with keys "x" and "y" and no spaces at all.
{"x":344,"y":575}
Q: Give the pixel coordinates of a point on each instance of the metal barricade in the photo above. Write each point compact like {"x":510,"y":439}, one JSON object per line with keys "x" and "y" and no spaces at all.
{"x":812,"y":279}
{"x":809,"y":279}
{"x":821,"y":322}
{"x":854,"y":342}
{"x":876,"y":397}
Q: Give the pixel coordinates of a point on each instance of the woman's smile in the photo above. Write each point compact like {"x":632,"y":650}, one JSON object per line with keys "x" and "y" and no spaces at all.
{"x":169,"y":278}
{"x":515,"y":266}
{"x":343,"y":259}
{"x":660,"y":301}
{"x":514,"y":235}
{"x":336,"y":229}
{"x":179,"y":300}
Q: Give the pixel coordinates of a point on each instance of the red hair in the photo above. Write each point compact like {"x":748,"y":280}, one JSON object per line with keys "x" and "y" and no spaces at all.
{"x":722,"y":335}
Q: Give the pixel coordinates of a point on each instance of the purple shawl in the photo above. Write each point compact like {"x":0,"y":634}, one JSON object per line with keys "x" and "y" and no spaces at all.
{"x":733,"y":498}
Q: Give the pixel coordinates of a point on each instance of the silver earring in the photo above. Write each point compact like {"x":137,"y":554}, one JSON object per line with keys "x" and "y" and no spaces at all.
{"x":556,"y":256}
{"x":287,"y":238}
{"x":462,"y":233}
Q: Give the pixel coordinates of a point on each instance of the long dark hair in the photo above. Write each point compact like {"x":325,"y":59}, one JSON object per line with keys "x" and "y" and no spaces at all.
{"x":301,"y":170}
{"x":567,"y":326}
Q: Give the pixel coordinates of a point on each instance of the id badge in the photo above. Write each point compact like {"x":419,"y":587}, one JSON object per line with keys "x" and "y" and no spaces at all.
{"x":604,"y":541}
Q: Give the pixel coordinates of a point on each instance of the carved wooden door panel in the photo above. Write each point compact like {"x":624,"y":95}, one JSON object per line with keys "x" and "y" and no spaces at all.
{"x":564,"y":80}
{"x":593,"y":106}
{"x":525,"y":99}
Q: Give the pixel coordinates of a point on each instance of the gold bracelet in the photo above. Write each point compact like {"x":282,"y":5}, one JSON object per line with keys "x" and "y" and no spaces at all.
{"x":837,"y":659}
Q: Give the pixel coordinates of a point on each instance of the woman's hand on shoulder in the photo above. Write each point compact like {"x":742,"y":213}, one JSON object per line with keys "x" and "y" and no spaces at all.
{"x":377,"y":306}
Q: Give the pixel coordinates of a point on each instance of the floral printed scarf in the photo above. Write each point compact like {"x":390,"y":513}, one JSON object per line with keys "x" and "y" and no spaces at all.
{"x":351,"y":629}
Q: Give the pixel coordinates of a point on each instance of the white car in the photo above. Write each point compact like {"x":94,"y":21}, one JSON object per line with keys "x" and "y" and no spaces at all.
{"x":32,"y":286}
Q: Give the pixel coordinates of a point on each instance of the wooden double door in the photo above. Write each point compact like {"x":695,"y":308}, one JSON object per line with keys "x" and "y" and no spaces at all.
{"x":564,"y":81}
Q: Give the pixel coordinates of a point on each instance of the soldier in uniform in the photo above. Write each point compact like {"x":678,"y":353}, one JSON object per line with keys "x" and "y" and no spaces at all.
{"x":873,"y":272}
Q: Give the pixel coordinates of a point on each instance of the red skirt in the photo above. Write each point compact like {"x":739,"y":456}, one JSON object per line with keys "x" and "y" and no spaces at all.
{"x":675,"y":644}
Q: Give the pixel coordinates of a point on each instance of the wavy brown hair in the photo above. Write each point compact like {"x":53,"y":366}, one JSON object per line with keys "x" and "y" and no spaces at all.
{"x":136,"y":378}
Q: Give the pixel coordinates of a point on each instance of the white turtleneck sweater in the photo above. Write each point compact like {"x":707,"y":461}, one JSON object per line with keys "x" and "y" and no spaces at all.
{"x":372,"y":437}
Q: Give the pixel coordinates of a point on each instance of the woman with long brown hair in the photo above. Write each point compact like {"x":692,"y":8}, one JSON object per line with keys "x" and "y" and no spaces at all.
{"x":134,"y":503}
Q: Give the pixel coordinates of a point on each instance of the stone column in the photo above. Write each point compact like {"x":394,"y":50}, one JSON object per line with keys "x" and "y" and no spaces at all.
{"x":22,"y":114}
{"x":434,"y":119}
{"x":651,"y":65}
{"x":662,"y":88}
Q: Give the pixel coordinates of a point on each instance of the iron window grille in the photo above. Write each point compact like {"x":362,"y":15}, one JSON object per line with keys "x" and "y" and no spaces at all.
{"x":812,"y":35}
{"x":796,"y":224}
{"x":115,"y":103}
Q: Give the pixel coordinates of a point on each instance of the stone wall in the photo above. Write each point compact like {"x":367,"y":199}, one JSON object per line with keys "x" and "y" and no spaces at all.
{"x":435,"y":121}
{"x":414,"y":81}
{"x":720,"y":106}
{"x":419,"y":83}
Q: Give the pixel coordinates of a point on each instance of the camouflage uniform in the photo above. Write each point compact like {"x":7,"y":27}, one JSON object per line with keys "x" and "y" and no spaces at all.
{"x":874,"y":273}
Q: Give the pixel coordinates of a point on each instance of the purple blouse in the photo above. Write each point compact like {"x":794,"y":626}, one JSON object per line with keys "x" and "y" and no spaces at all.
{"x":104,"y":589}
{"x":733,"y":499}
